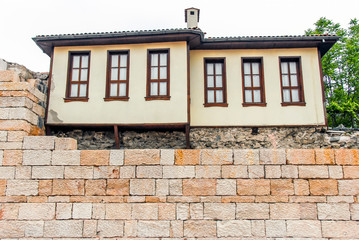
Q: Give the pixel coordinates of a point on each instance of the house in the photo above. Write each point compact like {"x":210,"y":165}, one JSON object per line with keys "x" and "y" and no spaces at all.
{"x":177,"y":78}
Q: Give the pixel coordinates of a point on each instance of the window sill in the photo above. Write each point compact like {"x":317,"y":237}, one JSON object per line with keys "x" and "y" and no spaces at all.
{"x":116,"y":99}
{"x":215,"y":105}
{"x":151,"y":98}
{"x":286,"y":104}
{"x":254,"y":104}
{"x":76,"y":99}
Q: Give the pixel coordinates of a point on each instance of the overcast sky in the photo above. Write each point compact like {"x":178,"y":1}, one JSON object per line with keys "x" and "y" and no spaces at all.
{"x":20,"y":20}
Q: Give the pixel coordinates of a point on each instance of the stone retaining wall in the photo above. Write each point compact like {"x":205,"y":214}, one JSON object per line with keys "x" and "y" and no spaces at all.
{"x":50,"y":190}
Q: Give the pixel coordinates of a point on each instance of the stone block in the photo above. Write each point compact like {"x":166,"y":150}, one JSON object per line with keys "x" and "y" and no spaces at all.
{"x":313,"y":171}
{"x":182,"y":211}
{"x":176,"y":229}
{"x":346,"y":156}
{"x":282,"y":187}
{"x":106,"y":172}
{"x":118,"y":211}
{"x":90,"y":228}
{"x":348,"y":187}
{"x":166,"y":211}
{"x":324,"y":156}
{"x":285,"y":211}
{"x":23,"y":114}
{"x":23,"y":172}
{"x":66,"y":157}
{"x":2,"y":187}
{"x":127,"y":172}
{"x":142,"y":187}
{"x":340,"y":199}
{"x":95,"y":157}
{"x":110,"y":228}
{"x":153,"y":229}
{"x":300,"y":156}
{"x":308,"y":211}
{"x":200,"y":228}
{"x":95,"y":187}
{"x":304,"y":228}
{"x":178,"y":171}
{"x":117,"y":157}
{"x":68,"y":187}
{"x":37,"y":211}
{"x":63,"y":210}
{"x":216,"y":156}
{"x":16,"y":136}
{"x":289,"y":171}
{"x":220,"y":211}
{"x":351,"y":172}
{"x":142,"y":157}
{"x":258,"y":228}
{"x":252,"y":211}
{"x":3,"y":136}
{"x":118,"y":187}
{"x":234,"y":171}
{"x":273,"y":171}
{"x":12,"y":229}
{"x":22,"y":187}
{"x":39,"y":142}
{"x":36,"y":157}
{"x":167,"y":157}
{"x":99,"y":210}
{"x":11,"y":157}
{"x":246,"y":156}
{"x":149,"y":172}
{"x":175,"y":186}
{"x":199,"y":187}
{"x":196,"y":210}
{"x":65,"y":144}
{"x":8,"y":75}
{"x":34,"y":229}
{"x":253,"y":187}
{"x":78,"y":172}
{"x":13,"y":102}
{"x":354,"y":211}
{"x":7,"y":172}
{"x":333,"y":211}
{"x":256,"y":171}
{"x":323,"y":187}
{"x":15,"y":125}
{"x":162,"y":187}
{"x":45,"y":187}
{"x":208,"y":171}
{"x":276,"y":228}
{"x":272,"y":156}
{"x":301,"y":187}
{"x":187,"y":157}
{"x":145,"y":211}
{"x":9,"y":211}
{"x":10,"y":145}
{"x":47,"y":172}
{"x":335,"y":172}
{"x":234,"y":228}
{"x":226,"y":187}
{"x":340,"y":229}
{"x":81,"y":210}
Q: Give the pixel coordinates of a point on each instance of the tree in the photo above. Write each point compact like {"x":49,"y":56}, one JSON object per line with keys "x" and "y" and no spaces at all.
{"x":341,"y":72}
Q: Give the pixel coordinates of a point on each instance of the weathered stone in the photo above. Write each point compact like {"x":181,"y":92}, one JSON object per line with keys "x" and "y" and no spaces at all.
{"x":47,"y":172}
{"x":234,"y":172}
{"x":65,"y":144}
{"x":324,"y":156}
{"x":289,"y":171}
{"x":22,"y":187}
{"x":110,"y":228}
{"x":208,"y":171}
{"x":335,"y":172}
{"x":175,"y":187}
{"x":340,"y":229}
{"x":323,"y":187}
{"x":149,"y":172}
{"x":118,"y":211}
{"x":246,"y":156}
{"x":78,"y":172}
{"x":199,"y":187}
{"x":95,"y":157}
{"x":106,"y":172}
{"x":187,"y":157}
{"x":118,"y":187}
{"x":219,"y":211}
{"x":153,"y":228}
{"x":346,"y":156}
{"x":166,"y":211}
{"x":273,"y":171}
{"x":285,"y":211}
{"x":142,"y":187}
{"x":145,"y":211}
{"x":127,"y":172}
{"x":66,"y":157}
{"x":11,"y":157}
{"x":142,"y":157}
{"x":81,"y":210}
{"x":276,"y":228}
{"x":90,"y":228}
{"x":39,"y":142}
{"x":216,"y":157}
{"x":68,"y":187}
{"x":313,"y":171}
{"x":272,"y":156}
{"x":333,"y":211}
{"x":234,"y":228}
{"x":7,"y":172}
{"x":178,"y":171}
{"x":12,"y":229}
{"x":182,"y":211}
{"x":36,"y":157}
{"x":300,"y":156}
{"x":256,"y":171}
{"x":200,"y":228}
{"x":301,"y":187}
{"x":253,"y":187}
{"x":167,"y":157}
{"x":252,"y":211}
{"x":63,"y":228}
{"x":117,"y":157}
{"x":304,"y":228}
{"x":226,"y":187}
{"x":63,"y":210}
{"x":95,"y":187}
{"x":37,"y":211}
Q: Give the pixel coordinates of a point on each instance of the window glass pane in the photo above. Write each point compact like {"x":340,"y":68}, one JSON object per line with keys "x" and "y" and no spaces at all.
{"x":285,"y":80}
{"x":114,"y":61}
{"x":122,"y":90}
{"x":123,"y":60}
{"x":247,"y":68}
{"x":83,"y":74}
{"x":154,"y":72}
{"x":76,"y":62}
{"x":256,"y":82}
{"x":286,"y":95}
{"x":210,"y":81}
{"x":83,"y":88}
{"x":295,"y":95}
{"x":255,"y":68}
{"x":284,"y":66}
{"x":163,"y":88}
{"x":163,"y":72}
{"x":218,"y":81}
{"x":114,"y":73}
{"x":123,"y":73}
{"x":256,"y":96}
{"x":75,"y":75}
{"x":247,"y":81}
{"x":248,"y":96}
{"x":210,"y":96}
{"x":163,"y":59}
{"x":154,"y":59}
{"x":293,"y":67}
{"x":154,"y":89}
{"x":294,"y":80}
{"x":219,"y":96}
{"x":219,"y":68}
{"x":113,"y":89}
{"x":210,"y":68}
{"x":85,"y":61}
{"x":74,"y":88}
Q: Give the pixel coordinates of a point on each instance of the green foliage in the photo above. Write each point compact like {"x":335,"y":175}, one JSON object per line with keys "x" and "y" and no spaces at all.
{"x":341,"y":72}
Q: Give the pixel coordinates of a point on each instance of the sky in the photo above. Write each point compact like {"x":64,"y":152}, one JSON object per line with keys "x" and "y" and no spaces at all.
{"x":20,"y":20}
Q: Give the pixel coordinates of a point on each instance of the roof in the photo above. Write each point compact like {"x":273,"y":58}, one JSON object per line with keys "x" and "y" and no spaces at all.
{"x":194,"y":37}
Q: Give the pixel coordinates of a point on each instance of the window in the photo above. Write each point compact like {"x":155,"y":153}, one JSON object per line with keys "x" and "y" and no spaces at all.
{"x":291,"y":81}
{"x":78,"y":76}
{"x":215,"y":82}
{"x":253,"y":82}
{"x":117,"y":75}
{"x":158,"y":75}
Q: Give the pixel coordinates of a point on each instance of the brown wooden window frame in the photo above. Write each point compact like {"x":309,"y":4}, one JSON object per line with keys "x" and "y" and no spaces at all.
{"x":150,"y":97}
{"x":224,"y":83}
{"x":108,"y":97}
{"x":261,"y":87}
{"x":300,"y":88}
{"x":69,"y":83}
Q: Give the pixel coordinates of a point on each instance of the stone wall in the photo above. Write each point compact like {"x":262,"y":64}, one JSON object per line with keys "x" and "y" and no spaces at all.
{"x":50,"y":190}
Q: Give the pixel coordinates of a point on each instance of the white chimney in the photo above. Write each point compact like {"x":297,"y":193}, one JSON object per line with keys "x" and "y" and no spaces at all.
{"x":191,"y":17}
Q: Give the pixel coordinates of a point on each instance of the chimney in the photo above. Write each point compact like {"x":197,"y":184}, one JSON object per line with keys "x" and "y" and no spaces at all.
{"x":191,"y":17}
